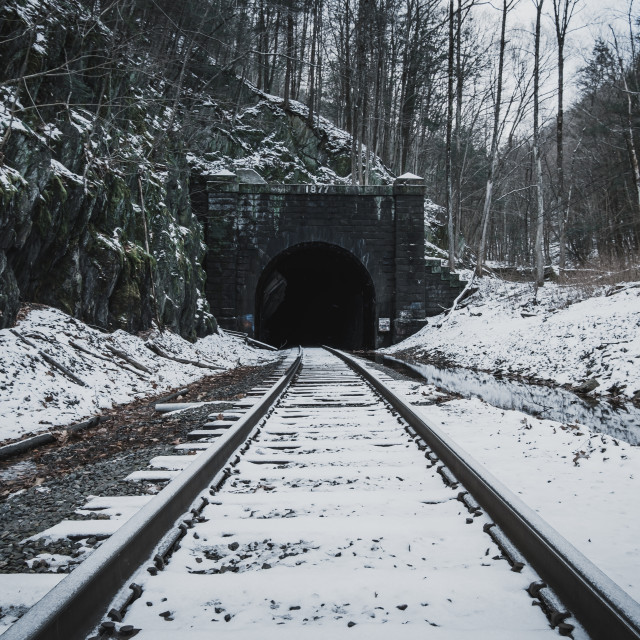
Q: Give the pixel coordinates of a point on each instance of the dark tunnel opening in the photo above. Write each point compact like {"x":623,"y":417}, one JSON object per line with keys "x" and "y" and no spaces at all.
{"x":315,"y":294}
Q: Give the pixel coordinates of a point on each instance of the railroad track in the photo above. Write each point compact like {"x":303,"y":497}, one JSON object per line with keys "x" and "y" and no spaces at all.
{"x":341,"y":511}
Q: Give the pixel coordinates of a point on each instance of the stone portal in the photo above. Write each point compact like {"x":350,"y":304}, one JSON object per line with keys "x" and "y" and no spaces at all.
{"x":309,"y":264}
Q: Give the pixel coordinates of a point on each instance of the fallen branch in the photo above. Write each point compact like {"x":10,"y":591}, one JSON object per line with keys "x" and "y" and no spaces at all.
{"x":127,"y":358}
{"x":163,"y":354}
{"x":461,"y":295}
{"x":172,"y":396}
{"x":260,"y":345}
{"x":619,"y":288}
{"x":238,"y":334}
{"x":54,"y":363}
{"x":93,"y":354}
{"x":26,"y":444}
{"x":79,"y":347}
{"x":604,"y":345}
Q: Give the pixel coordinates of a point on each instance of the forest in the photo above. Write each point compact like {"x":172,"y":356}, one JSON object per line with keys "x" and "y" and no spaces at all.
{"x":472,"y":97}
{"x":529,"y":167}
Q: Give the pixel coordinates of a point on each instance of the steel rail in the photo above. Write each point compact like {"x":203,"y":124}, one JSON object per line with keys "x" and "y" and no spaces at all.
{"x":599,"y":604}
{"x":72,"y":608}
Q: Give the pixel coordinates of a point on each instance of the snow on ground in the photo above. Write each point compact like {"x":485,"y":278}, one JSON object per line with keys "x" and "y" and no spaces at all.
{"x":564,"y":338}
{"x":585,"y":485}
{"x":19,"y":592}
{"x":35,"y":396}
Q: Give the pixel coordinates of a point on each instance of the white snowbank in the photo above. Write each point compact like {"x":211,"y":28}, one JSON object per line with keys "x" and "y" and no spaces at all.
{"x":563,"y":338}
{"x":34,"y":396}
{"x":585,"y":485}
{"x":20,"y":591}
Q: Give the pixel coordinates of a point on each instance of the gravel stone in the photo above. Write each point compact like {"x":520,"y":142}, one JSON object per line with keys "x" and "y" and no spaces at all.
{"x":95,"y":462}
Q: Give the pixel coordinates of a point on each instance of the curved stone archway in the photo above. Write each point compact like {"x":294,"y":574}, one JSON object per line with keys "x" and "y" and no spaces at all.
{"x":316,"y":293}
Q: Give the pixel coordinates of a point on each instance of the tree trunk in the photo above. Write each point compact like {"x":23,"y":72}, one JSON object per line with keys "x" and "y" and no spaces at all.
{"x":274,"y":57}
{"x":303,"y":46}
{"x":289,"y":65}
{"x":311,"y":96}
{"x":539,"y":258}
{"x":493,"y":160}
{"x":449,"y":178}
{"x":458,"y":128}
{"x":560,"y":164}
{"x":562,"y":13}
{"x":631,"y":146}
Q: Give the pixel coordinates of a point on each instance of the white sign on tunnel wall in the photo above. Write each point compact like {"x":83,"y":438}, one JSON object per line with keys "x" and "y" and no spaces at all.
{"x":384,"y":325}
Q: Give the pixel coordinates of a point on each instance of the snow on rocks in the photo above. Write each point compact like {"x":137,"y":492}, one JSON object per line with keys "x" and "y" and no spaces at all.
{"x":592,"y":344}
{"x":115,"y":368}
{"x":265,"y":152}
{"x":18,"y":593}
{"x":60,"y":170}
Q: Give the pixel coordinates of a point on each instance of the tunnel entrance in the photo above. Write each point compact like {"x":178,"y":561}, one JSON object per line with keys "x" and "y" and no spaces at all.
{"x":316,"y":293}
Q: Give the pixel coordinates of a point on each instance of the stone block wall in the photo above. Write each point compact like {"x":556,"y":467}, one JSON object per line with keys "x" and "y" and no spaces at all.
{"x":382,"y":227}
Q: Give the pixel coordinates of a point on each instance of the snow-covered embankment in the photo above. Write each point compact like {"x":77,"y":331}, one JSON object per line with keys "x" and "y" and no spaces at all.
{"x":566,"y":338}
{"x":35,"y":396}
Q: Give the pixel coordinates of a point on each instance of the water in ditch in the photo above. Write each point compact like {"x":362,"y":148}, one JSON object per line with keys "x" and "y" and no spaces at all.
{"x":622,"y":422}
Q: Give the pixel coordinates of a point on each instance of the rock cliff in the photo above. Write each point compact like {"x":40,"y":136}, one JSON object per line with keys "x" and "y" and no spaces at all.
{"x":103,"y":166}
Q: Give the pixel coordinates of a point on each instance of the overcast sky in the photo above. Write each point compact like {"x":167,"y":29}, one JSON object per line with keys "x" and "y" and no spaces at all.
{"x":591,"y":20}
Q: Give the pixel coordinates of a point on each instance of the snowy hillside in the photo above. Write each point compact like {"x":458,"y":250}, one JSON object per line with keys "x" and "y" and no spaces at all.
{"x":36,"y":395}
{"x":279,"y":143}
{"x":581,"y":337}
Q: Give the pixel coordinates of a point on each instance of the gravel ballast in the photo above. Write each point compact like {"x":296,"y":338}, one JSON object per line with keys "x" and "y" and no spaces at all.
{"x":44,"y":486}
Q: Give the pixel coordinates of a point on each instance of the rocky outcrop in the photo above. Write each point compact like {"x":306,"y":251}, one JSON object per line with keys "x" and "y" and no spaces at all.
{"x":88,"y":223}
{"x":101,"y":182}
{"x":117,"y":250}
{"x":279,"y":143}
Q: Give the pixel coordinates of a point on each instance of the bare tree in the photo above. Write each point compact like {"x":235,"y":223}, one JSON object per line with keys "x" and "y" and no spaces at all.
{"x":449,"y":167}
{"x":495,"y":138}
{"x":311,"y":95}
{"x":539,"y":258}
{"x":563,"y":11}
{"x":628,"y":128}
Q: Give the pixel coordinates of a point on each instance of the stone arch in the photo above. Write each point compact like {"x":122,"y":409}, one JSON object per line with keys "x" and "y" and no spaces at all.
{"x":316,"y":293}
